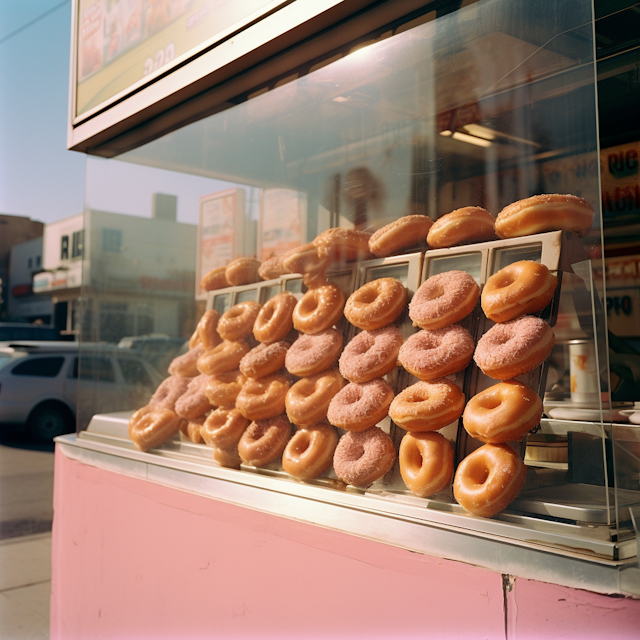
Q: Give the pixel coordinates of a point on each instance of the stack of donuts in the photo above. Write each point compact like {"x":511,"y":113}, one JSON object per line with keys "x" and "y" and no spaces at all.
{"x":488,"y":479}
{"x":366,"y":453}
{"x":180,"y":402}
{"x":440,"y":348}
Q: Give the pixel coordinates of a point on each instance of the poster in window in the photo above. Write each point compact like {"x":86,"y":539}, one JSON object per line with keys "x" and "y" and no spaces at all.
{"x":282,"y":225}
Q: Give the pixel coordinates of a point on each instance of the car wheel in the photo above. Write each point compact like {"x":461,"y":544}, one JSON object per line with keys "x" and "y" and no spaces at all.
{"x":48,"y":421}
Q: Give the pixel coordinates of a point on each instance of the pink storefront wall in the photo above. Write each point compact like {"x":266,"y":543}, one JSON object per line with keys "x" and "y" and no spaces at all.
{"x":133,"y":559}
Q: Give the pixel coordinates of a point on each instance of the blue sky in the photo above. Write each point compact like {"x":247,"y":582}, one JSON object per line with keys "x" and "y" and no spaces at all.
{"x":39,"y":178}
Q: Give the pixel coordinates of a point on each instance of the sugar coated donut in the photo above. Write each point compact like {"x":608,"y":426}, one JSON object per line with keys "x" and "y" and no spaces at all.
{"x":168,"y":392}
{"x":512,"y":348}
{"x":517,"y":289}
{"x":242,"y":271}
{"x":371,"y":354}
{"x":545,"y":213}
{"x":363,"y":457}
{"x":264,"y":359}
{"x":319,"y":309}
{"x":228,"y":458}
{"x":206,"y":332}
{"x":149,"y":427}
{"x":223,"y":428}
{"x":462,"y":226}
{"x":274,"y":321}
{"x":399,"y":234}
{"x":376,"y":304}
{"x":193,"y":403}
{"x":214,"y":279}
{"x":237,"y":322}
{"x":272,"y":268}
{"x":223,"y":388}
{"x":346,"y":245}
{"x":314,"y":353}
{"x":426,"y":462}
{"x":190,"y":429}
{"x":360,"y":405}
{"x":264,"y":440}
{"x":308,"y":399}
{"x":443,"y":299}
{"x":186,"y":364}
{"x":504,"y":412}
{"x":488,"y":479}
{"x":427,"y":406}
{"x":310,"y":451}
{"x":225,"y":357}
{"x":264,"y":398}
{"x":429,"y":355}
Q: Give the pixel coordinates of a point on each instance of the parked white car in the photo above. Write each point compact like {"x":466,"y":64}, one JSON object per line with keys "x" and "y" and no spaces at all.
{"x":51,"y":386}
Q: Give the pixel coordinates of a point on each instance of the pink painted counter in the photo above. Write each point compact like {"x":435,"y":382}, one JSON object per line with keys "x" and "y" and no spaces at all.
{"x":135,"y":559}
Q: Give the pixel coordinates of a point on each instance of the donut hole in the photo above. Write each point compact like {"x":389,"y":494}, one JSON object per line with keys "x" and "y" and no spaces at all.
{"x":479,"y":474}
{"x":490,"y":402}
{"x":505,"y":280}
{"x":414,"y":458}
{"x":301,"y":443}
{"x":267,"y":314}
{"x":367,"y":296}
{"x":435,"y":292}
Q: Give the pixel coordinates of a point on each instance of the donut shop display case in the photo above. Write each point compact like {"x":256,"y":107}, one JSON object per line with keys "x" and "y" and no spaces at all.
{"x":482,"y":106}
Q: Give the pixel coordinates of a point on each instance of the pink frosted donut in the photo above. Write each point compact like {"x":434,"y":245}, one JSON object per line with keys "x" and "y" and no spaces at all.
{"x":512,"y":348}
{"x":362,"y":458}
{"x":314,"y":353}
{"x":185,"y":365}
{"x":443,"y":299}
{"x":264,"y":359}
{"x":371,"y":354}
{"x":168,"y":392}
{"x":359,"y":406}
{"x":429,"y":355}
{"x":194,"y":403}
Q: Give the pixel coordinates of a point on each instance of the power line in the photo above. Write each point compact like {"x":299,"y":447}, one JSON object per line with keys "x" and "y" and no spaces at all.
{"x":32,"y":22}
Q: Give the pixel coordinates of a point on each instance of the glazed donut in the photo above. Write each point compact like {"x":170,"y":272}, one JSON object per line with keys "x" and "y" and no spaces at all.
{"x":225,"y":357}
{"x":347,"y":245}
{"x":310,"y":451}
{"x":314,"y":353}
{"x":214,"y":279}
{"x":264,"y":440}
{"x":306,"y":261}
{"x":242,"y":271}
{"x":504,"y":412}
{"x":426,"y":462}
{"x":168,"y":392}
{"x":488,"y":479}
{"x":517,"y":289}
{"x":318,"y":309}
{"x":275,"y":318}
{"x":193,"y":403}
{"x":190,"y":429}
{"x":272,"y":268}
{"x":223,"y":389}
{"x":186,"y":364}
{"x":399,"y":234}
{"x":363,"y":457}
{"x":206,"y":332}
{"x":264,"y":398}
{"x":462,"y":226}
{"x":371,"y":354}
{"x":223,"y":428}
{"x":308,"y":399}
{"x":149,"y":427}
{"x":228,"y":458}
{"x":427,"y":406}
{"x":376,"y":304}
{"x":512,"y":348}
{"x":443,"y":299}
{"x":360,"y":405}
{"x":264,"y":359}
{"x":545,"y":213}
{"x":429,"y":355}
{"x":237,"y":322}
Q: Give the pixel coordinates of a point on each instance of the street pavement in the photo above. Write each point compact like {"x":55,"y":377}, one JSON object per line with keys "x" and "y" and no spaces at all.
{"x":26,"y":513}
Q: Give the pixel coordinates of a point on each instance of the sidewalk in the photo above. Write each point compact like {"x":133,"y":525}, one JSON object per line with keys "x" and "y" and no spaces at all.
{"x":25,"y":583}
